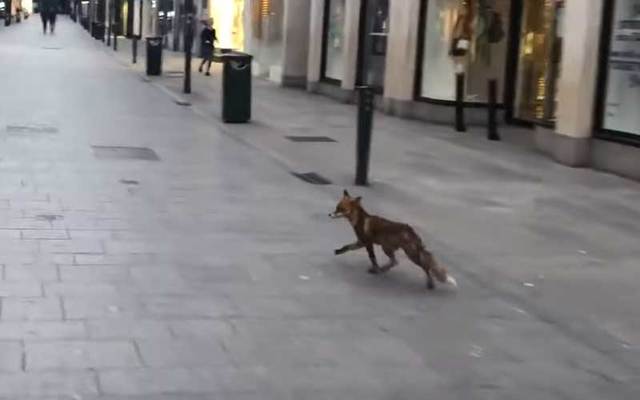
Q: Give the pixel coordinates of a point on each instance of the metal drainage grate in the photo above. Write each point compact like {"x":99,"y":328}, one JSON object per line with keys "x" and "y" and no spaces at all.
{"x":125,"y":153}
{"x":311,"y":139}
{"x":312,"y":178}
{"x":49,"y":217}
{"x":174,"y":74}
{"x":30,"y":129}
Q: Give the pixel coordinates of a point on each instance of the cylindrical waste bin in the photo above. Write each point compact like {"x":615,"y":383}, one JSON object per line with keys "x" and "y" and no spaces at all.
{"x":236,"y":87}
{"x":154,"y":55}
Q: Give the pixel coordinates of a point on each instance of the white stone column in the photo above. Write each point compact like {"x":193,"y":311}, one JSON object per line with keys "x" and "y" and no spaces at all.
{"x":351,"y":41}
{"x":402,"y":46}
{"x":297,"y":14}
{"x":316,"y":37}
{"x":577,"y":82}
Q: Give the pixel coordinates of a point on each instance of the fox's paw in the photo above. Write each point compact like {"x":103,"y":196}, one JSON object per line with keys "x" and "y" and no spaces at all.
{"x":374,"y":270}
{"x":338,"y":251}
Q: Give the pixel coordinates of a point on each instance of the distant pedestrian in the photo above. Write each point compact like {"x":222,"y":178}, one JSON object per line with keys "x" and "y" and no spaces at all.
{"x":48,"y":13}
{"x":207,"y":39}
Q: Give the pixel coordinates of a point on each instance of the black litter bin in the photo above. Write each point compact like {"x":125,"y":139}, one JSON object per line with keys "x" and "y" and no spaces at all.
{"x":154,"y":55}
{"x":97,"y":30}
{"x":236,"y":87}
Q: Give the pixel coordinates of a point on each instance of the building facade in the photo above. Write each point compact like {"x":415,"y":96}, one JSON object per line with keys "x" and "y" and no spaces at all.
{"x":575,"y":89}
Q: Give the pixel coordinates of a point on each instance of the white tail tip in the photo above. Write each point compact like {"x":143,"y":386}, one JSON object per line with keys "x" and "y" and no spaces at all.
{"x":451,"y":281}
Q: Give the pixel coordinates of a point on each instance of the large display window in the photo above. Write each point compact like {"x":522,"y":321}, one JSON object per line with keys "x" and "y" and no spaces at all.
{"x":333,"y":43}
{"x":229,"y":22}
{"x":622,"y":70}
{"x":478,"y":30}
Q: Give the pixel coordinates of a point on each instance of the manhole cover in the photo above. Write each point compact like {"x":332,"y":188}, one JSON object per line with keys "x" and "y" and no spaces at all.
{"x":125,"y":153}
{"x":311,"y":139}
{"x":312,"y":178}
{"x":30,"y":129}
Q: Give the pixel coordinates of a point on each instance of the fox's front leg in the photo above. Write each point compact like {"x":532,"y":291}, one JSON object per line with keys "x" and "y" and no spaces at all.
{"x":375,"y":269}
{"x":349,"y":247}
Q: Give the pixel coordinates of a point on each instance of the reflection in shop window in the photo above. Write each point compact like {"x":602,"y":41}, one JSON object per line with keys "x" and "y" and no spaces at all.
{"x":334,"y":67}
{"x":266,"y":41}
{"x":374,"y":42}
{"x":623,"y":84}
{"x":539,"y":60}
{"x":485,"y":58}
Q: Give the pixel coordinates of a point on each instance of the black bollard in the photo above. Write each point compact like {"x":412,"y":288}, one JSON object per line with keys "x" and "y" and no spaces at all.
{"x":109,"y":33}
{"x":188,"y":44}
{"x":134,"y":48}
{"x":492,"y":132}
{"x":115,"y":37}
{"x":460,"y":125}
{"x":365,"y":125}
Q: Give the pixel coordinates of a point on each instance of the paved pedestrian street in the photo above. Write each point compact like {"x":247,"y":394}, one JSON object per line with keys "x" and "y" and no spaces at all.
{"x":149,"y":252}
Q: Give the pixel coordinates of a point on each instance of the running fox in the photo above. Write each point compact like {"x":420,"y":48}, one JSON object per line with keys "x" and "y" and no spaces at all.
{"x":371,"y":230}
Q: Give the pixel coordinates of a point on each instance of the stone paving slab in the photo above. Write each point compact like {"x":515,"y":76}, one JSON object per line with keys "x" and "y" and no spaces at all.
{"x":209,"y":274}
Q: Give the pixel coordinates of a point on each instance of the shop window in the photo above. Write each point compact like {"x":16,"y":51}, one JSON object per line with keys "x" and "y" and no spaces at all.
{"x":334,"y":40}
{"x":373,"y":42}
{"x":539,"y":60}
{"x":623,"y":69}
{"x":477,"y":29}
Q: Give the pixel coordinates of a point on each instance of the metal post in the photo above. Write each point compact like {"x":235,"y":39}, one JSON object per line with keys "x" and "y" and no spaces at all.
{"x":115,"y":25}
{"x":109,"y":30}
{"x":134,"y":47}
{"x":188,"y":44}
{"x":492,"y":133}
{"x":460,"y":125}
{"x":365,"y":124}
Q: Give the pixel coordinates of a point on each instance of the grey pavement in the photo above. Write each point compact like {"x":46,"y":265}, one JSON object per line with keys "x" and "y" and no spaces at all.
{"x":208,"y":273}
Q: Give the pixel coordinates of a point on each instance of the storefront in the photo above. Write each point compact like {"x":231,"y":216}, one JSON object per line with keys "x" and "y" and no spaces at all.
{"x":619,"y":78}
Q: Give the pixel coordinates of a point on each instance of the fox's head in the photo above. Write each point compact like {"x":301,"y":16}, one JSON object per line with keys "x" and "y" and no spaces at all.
{"x":346,"y":206}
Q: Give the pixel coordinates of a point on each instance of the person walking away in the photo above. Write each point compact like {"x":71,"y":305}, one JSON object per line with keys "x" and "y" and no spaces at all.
{"x":48,"y":12}
{"x":207,"y":39}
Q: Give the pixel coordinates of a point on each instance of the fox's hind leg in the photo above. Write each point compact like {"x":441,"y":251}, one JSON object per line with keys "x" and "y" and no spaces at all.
{"x":422,"y":259}
{"x":430,"y":284}
{"x":390,"y":252}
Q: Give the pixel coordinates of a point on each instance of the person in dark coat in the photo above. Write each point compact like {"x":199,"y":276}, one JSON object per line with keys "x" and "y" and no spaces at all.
{"x":48,"y":12}
{"x":207,"y":39}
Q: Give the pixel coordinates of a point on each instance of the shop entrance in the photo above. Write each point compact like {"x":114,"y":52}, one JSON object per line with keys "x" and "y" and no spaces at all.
{"x":372,"y":50}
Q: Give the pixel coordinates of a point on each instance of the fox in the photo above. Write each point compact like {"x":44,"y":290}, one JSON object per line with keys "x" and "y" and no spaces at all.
{"x":373,"y":230}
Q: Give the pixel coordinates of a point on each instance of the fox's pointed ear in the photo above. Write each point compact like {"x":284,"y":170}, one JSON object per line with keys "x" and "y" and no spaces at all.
{"x":357,"y":199}
{"x":345,"y":193}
